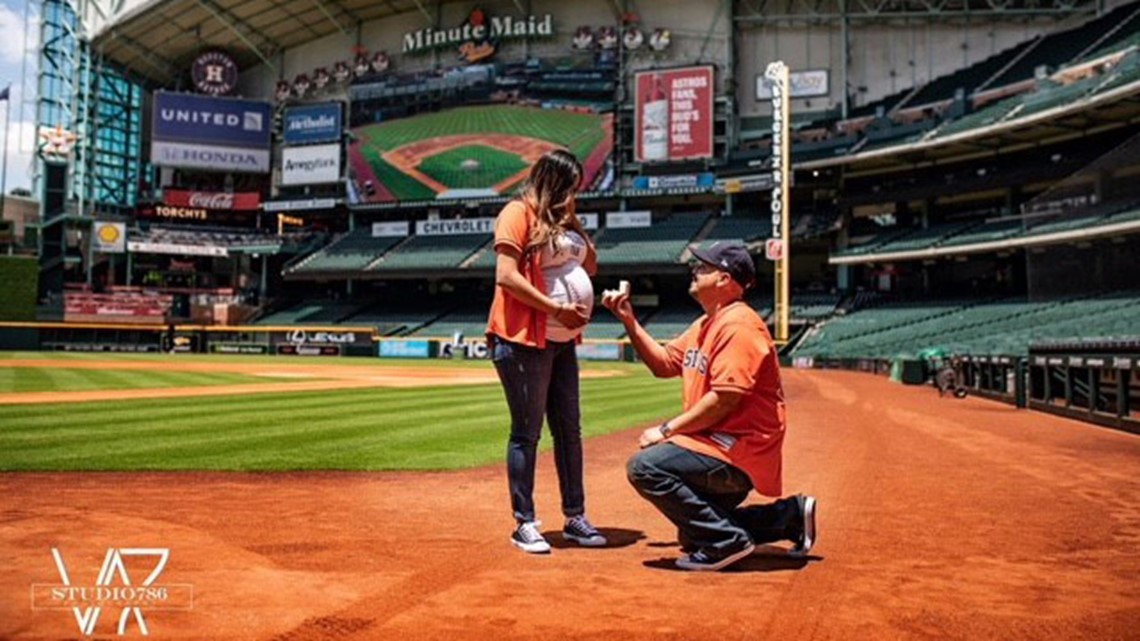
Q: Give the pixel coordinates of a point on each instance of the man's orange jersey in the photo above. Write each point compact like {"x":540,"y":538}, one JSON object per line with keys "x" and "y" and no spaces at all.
{"x":733,"y":351}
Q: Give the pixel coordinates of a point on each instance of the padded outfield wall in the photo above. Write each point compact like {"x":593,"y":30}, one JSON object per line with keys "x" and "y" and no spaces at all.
{"x":20,"y":276}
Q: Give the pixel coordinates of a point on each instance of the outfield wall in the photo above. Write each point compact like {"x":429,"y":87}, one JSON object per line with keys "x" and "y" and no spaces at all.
{"x":263,"y":340}
{"x":20,"y":275}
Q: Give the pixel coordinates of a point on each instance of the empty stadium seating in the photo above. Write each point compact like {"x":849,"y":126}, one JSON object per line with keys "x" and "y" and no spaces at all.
{"x":128,"y":306}
{"x":431,"y":252}
{"x":354,"y":251}
{"x":996,"y":327}
{"x":662,"y":243}
{"x":1059,"y":48}
{"x":742,"y":228}
{"x":395,"y":318}
{"x":470,"y":320}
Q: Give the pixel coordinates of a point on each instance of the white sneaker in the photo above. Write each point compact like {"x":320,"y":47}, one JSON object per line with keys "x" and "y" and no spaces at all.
{"x":580,"y":531}
{"x":527,"y":538}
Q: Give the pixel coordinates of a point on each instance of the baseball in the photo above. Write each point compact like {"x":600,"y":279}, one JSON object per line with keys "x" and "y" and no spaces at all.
{"x":572,"y":287}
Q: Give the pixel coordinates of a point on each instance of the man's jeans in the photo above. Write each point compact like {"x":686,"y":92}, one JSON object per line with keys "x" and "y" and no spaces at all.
{"x":538,"y":382}
{"x":700,"y":495}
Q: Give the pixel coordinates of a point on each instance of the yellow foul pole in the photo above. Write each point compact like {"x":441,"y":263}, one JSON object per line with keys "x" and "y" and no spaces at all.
{"x":778,"y":247}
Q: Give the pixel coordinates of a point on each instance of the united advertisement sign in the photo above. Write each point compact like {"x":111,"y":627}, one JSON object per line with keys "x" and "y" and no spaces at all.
{"x":203,"y":132}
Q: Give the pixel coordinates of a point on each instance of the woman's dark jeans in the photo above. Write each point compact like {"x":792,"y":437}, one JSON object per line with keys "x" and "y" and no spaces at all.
{"x":540,"y":382}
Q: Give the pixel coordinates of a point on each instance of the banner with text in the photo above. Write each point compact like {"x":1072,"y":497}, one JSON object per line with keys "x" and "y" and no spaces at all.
{"x":456,"y":226}
{"x":673,"y":114}
{"x":245,"y":201}
{"x":626,"y":219}
{"x":203,"y":132}
{"x":801,"y":84}
{"x":313,"y":123}
{"x":388,"y":230}
{"x":311,"y":165}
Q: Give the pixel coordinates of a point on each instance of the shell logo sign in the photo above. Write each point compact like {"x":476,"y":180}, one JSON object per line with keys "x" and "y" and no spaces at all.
{"x":109,"y":238}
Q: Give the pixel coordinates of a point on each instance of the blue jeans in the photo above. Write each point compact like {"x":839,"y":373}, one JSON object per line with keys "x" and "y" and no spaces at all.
{"x":701,"y":495}
{"x":540,"y":382}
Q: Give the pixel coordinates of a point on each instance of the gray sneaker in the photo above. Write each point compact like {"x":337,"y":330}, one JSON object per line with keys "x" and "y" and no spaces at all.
{"x":808,"y":533}
{"x":527,"y":538}
{"x":701,"y":561}
{"x":580,"y":531}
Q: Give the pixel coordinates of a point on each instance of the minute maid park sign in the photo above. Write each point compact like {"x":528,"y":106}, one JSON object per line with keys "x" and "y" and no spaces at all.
{"x":477,"y":37}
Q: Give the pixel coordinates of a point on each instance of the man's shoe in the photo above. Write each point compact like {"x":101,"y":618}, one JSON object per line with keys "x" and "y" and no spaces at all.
{"x":700,"y":561}
{"x":807,"y":529}
{"x":527,"y":538}
{"x":580,"y":531}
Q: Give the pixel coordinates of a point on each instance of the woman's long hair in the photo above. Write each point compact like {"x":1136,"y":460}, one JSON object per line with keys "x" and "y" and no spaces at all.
{"x":549,"y":191}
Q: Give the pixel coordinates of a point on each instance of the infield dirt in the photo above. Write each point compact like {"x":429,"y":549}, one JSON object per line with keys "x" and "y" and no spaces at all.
{"x":939,"y":519}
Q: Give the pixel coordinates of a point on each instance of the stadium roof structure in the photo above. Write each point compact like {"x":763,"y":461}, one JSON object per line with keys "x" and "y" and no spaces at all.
{"x":158,"y":39}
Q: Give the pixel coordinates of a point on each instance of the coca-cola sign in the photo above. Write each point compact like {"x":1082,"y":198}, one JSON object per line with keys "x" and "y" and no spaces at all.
{"x":245,"y":201}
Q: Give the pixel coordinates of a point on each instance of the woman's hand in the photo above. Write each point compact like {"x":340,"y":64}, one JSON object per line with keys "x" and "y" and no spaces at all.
{"x":571,"y":315}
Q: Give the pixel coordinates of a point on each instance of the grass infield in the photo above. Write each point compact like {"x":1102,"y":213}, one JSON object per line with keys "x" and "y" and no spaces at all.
{"x":430,"y":428}
{"x":494,"y":166}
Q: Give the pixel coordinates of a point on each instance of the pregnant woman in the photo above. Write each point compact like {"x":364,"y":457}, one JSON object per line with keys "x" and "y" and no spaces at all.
{"x":543,"y":300}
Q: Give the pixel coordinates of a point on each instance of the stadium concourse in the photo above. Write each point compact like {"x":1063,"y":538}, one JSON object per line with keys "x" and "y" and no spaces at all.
{"x":943,"y":187}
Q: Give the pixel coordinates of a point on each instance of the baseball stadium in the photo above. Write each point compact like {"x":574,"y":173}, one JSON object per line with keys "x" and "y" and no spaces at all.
{"x":246,"y":385}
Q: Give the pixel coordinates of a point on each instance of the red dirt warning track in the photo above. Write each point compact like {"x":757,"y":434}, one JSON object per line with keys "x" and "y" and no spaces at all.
{"x":980,"y":523}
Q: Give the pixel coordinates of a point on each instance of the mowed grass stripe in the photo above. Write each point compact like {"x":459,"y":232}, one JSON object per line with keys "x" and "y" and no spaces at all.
{"x":95,"y":426}
{"x":64,"y":379}
{"x":442,"y":428}
{"x":127,"y":413}
{"x":18,"y":418}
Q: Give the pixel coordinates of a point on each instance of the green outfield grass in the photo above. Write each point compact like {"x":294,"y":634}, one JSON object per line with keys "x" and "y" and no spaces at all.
{"x":434,"y":428}
{"x":59,"y":379}
{"x":562,"y":127}
{"x":396,"y":181}
{"x":494,"y":166}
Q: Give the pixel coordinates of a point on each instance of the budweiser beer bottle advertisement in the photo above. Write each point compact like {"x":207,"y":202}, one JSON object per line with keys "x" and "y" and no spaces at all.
{"x":654,"y":120}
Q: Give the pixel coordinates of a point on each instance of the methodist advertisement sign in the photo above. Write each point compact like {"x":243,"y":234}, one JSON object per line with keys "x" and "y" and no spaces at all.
{"x":310,"y":165}
{"x":674,"y":114}
{"x":312,"y":123}
{"x":218,"y":134}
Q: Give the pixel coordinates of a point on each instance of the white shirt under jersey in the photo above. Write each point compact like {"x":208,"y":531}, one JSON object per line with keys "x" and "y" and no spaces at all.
{"x":566,"y":280}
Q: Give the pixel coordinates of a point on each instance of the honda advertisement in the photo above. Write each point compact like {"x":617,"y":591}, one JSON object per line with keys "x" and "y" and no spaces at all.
{"x":313,"y":123}
{"x":310,"y":165}
{"x":202,"y":132}
{"x":674,"y":114}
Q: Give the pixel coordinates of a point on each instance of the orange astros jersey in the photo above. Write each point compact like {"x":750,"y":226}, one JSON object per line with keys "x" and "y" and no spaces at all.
{"x":734,"y":352}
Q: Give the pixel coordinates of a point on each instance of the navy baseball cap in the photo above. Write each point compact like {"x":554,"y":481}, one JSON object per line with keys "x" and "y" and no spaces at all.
{"x":729,"y":257}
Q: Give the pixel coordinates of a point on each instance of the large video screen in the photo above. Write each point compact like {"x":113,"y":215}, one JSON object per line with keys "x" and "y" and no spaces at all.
{"x":673,"y":114}
{"x":474,"y":151}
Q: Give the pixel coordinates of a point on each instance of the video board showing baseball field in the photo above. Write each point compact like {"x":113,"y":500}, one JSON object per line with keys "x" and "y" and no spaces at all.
{"x":474,"y":151}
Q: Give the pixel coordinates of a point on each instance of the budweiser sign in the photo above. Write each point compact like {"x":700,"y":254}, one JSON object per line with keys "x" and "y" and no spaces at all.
{"x":245,"y":201}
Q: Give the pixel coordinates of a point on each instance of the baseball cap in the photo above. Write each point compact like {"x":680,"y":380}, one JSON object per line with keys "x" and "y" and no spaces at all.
{"x":728,"y":257}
